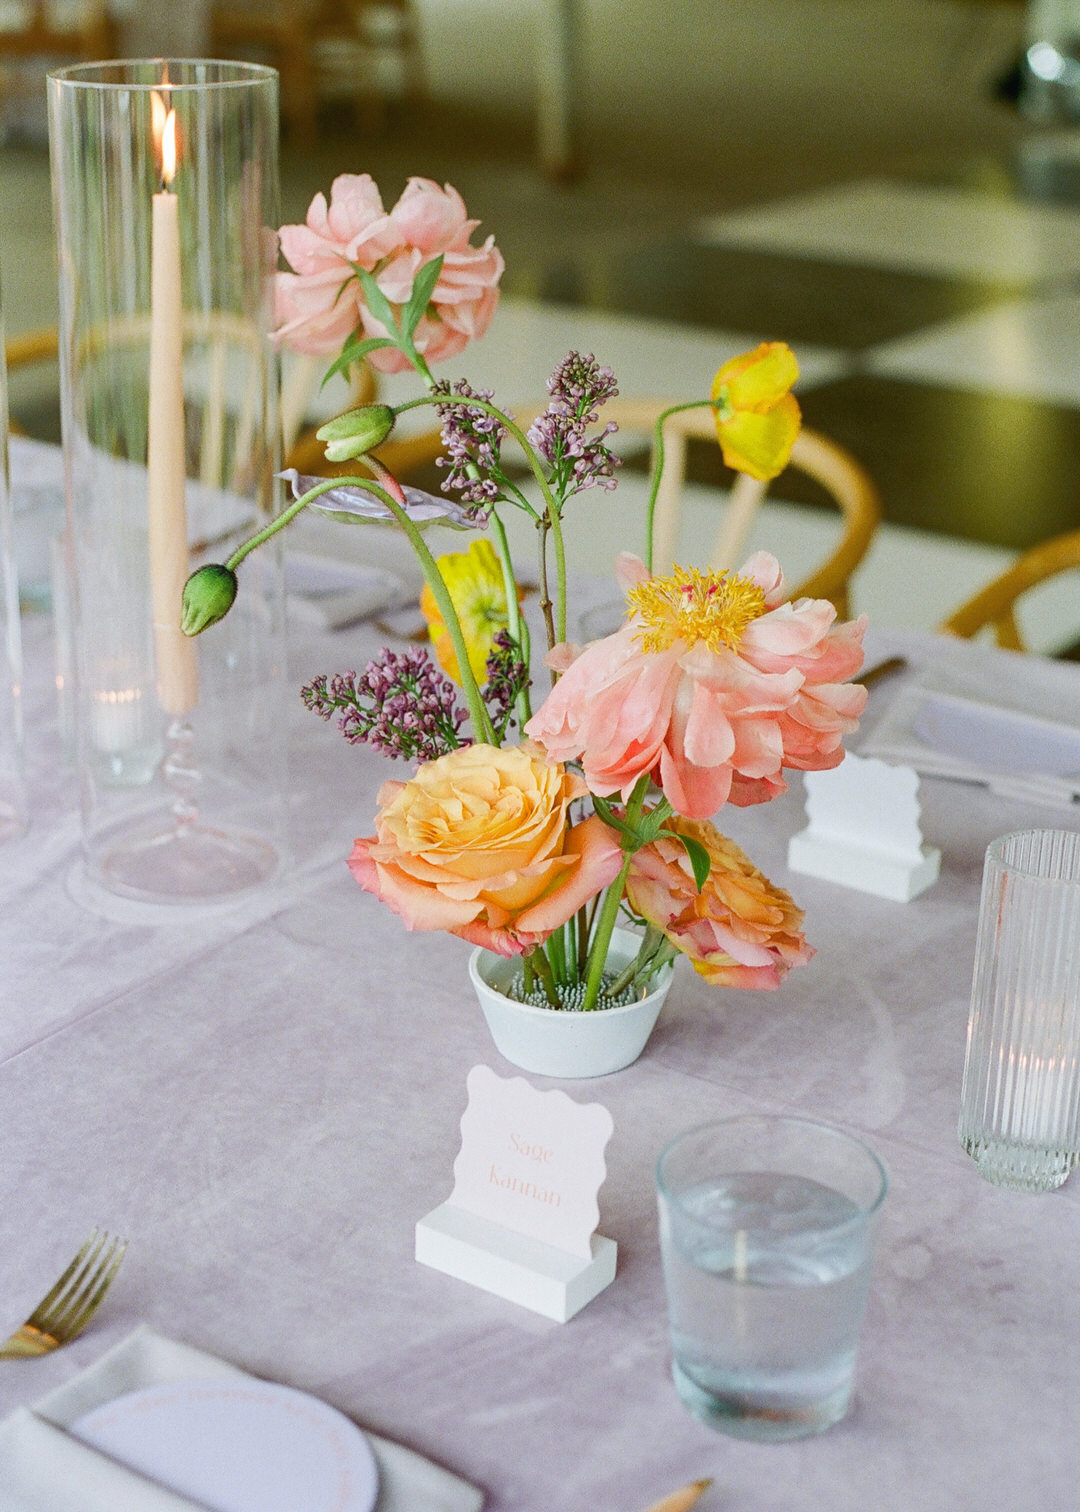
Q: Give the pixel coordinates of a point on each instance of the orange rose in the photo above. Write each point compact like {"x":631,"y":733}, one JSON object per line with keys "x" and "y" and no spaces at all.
{"x":477,"y":843}
{"x":739,"y":931}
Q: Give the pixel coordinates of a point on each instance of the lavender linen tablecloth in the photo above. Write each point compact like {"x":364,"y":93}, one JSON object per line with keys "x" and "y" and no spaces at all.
{"x":266,"y":1099}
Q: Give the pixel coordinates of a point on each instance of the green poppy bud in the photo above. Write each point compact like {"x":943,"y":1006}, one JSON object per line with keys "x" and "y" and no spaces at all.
{"x":208,"y":597}
{"x":356,"y":432}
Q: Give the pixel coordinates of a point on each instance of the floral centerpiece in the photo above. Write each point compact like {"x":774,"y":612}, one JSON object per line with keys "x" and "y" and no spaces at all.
{"x":535,"y":815}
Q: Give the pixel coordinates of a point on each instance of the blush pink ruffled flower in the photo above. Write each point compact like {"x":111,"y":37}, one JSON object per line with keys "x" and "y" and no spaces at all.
{"x":316,"y":315}
{"x":478,"y":844}
{"x":313,"y":313}
{"x":712,"y":686}
{"x":739,"y":931}
{"x":433,"y":221}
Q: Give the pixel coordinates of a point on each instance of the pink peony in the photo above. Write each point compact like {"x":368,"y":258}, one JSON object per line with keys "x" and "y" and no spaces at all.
{"x":315,"y":315}
{"x":712,"y":686}
{"x":433,"y":221}
{"x":477,"y":843}
{"x":353,"y":228}
{"x":739,"y":931}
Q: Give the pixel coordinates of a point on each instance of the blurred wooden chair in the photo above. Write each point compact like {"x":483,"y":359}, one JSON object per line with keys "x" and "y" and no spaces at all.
{"x":300,"y":382}
{"x":995,"y":605}
{"x":80,"y":29}
{"x":33,"y":348}
{"x":40,"y":34}
{"x":283,"y":30}
{"x":317,"y":44}
{"x":845,"y":481}
{"x":837,"y":472}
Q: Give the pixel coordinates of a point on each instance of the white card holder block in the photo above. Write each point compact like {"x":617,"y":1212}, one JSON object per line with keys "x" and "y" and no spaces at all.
{"x":864,"y":830}
{"x":513,"y":1266}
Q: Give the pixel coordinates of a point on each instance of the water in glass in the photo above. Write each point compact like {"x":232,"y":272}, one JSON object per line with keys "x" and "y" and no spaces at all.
{"x":767,"y":1278}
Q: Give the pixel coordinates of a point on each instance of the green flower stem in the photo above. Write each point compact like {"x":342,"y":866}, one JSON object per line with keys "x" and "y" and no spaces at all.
{"x":652,"y":944}
{"x":514,"y":622}
{"x":478,"y":713}
{"x":553,"y":949}
{"x":551,"y":505}
{"x":658,"y":467}
{"x":609,"y":912}
{"x":584,"y":924}
{"x":538,"y":961}
{"x":609,"y":909}
{"x":418,"y":363}
{"x":542,"y":526}
{"x":277,"y":523}
{"x":560,"y":569}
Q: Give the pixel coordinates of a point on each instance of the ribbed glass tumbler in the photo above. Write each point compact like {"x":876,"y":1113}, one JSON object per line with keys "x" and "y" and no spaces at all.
{"x":1020,"y":1103}
{"x":165,"y":184}
{"x":12,"y":788}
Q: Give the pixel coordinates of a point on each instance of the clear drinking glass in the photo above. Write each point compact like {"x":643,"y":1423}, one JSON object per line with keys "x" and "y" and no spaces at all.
{"x":1020,"y":1101}
{"x":165,"y":189}
{"x":766,"y":1231}
{"x":12,"y":787}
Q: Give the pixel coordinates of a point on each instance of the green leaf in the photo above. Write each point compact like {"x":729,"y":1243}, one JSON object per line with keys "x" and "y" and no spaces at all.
{"x":422,"y":290}
{"x":604,"y":809}
{"x":378,"y":303}
{"x":699,"y":857}
{"x":354,"y":351}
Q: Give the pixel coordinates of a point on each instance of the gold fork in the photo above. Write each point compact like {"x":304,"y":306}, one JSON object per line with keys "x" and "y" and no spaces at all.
{"x":66,"y":1310}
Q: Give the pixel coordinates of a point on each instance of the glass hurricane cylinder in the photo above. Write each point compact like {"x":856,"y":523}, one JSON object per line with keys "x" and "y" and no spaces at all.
{"x":12,"y":788}
{"x":1020,"y":1102}
{"x":165,"y":189}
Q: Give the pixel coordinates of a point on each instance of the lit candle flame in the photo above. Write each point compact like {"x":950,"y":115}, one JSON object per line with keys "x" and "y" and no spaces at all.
{"x":163,"y":127}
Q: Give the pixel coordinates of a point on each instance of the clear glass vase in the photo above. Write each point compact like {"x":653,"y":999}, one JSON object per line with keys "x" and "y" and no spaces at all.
{"x":165,"y":188}
{"x":1020,"y":1102}
{"x":12,"y":786}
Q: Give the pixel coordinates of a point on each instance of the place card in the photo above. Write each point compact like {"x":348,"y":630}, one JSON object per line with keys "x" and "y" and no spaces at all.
{"x":522,"y":1216}
{"x":864,"y":830}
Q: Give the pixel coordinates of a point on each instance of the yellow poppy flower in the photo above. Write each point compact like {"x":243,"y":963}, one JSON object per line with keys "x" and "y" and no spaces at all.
{"x":757,"y":418}
{"x":475,"y":583}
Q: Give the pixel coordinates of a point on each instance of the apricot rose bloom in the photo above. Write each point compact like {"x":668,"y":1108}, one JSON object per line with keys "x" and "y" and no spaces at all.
{"x":477,"y":843}
{"x":315,"y":313}
{"x":712,"y":686}
{"x":739,"y":931}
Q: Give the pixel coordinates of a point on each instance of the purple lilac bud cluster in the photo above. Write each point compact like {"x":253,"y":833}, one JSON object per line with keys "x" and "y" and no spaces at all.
{"x":401,"y":705}
{"x":472,"y":439}
{"x":507,"y":676}
{"x":578,"y":387}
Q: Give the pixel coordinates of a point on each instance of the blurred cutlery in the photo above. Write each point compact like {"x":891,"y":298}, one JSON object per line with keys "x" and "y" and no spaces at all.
{"x":683,"y":1499}
{"x":64,"y":1312}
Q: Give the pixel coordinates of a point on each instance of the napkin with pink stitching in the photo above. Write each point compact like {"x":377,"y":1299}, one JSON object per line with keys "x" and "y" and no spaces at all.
{"x":44,"y":1467}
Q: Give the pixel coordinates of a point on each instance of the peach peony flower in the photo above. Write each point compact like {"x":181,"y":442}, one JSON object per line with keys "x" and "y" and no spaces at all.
{"x":315,"y":314}
{"x":713,"y":686}
{"x":477,"y":843}
{"x":739,"y":931}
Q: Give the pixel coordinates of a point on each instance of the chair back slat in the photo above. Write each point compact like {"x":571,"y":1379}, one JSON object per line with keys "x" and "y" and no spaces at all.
{"x":995,"y":604}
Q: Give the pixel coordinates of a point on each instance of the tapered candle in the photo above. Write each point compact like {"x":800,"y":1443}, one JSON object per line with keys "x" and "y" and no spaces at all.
{"x":174,"y":653}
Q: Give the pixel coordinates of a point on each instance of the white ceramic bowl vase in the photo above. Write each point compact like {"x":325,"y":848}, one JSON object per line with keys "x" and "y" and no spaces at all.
{"x":550,"y":1042}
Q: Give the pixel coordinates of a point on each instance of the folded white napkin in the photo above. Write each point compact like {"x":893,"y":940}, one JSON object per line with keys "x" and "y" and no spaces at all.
{"x":1018,"y":749}
{"x":44,"y":1469}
